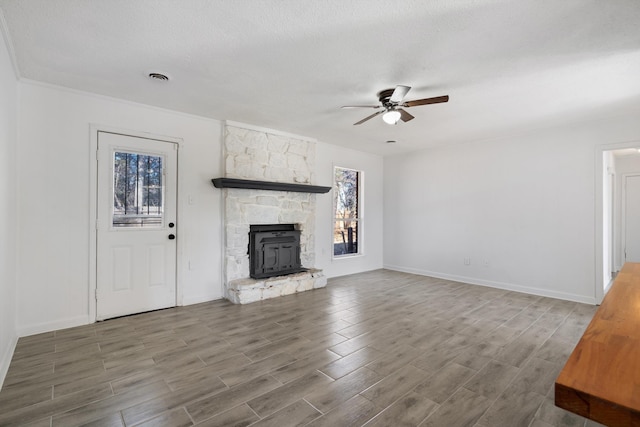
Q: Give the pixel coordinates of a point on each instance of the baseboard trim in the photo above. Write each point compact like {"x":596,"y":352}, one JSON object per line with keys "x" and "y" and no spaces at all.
{"x":6,"y":359}
{"x":498,"y":285}
{"x":38,"y":328}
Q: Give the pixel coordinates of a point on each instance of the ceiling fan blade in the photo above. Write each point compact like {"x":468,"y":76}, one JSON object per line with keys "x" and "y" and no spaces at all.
{"x":404,"y":116}
{"x":361,"y":106}
{"x":425,"y":101}
{"x":399,"y":93}
{"x":369,"y":117}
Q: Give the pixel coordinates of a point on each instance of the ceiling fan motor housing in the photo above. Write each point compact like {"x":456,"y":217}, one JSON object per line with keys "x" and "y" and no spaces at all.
{"x":384,"y":96}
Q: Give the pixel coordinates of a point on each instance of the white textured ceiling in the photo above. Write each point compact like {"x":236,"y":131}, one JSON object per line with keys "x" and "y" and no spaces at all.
{"x":508,"y":65}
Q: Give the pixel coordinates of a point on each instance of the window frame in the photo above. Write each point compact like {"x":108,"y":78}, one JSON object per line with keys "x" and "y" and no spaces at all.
{"x":359,"y":217}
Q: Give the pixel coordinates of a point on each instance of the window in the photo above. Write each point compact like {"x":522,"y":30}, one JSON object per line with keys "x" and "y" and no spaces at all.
{"x":137,"y":190}
{"x":348,"y":212}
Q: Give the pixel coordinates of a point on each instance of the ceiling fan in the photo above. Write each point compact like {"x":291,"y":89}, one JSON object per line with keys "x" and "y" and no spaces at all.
{"x":391,"y":104}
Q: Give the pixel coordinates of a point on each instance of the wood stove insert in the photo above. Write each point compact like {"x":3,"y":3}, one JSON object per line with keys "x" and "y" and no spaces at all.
{"x":274,"y":250}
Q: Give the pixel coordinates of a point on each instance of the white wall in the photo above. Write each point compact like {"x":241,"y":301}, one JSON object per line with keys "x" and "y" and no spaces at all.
{"x":53,"y":158}
{"x":328,"y":156}
{"x":8,"y":218}
{"x":53,"y":207}
{"x":522,"y":209}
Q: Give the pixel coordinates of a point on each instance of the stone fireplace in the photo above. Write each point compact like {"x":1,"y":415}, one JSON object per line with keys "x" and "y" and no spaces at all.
{"x":260,"y":156}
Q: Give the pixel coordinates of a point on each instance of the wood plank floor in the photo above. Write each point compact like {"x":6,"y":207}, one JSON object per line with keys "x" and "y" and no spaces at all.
{"x":381,"y":348}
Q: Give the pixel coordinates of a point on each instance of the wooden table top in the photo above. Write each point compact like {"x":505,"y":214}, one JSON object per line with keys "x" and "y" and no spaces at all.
{"x":601,"y":379}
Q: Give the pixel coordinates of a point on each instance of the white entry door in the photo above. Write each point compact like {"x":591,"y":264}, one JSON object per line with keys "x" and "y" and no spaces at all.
{"x":136,"y":225}
{"x":632,"y":219}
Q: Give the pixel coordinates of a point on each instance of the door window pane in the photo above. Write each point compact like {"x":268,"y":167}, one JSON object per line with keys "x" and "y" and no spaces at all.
{"x":137,"y":190}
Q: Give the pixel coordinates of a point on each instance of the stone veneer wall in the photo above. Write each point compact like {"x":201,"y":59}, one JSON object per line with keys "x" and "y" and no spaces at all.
{"x":251,"y":154}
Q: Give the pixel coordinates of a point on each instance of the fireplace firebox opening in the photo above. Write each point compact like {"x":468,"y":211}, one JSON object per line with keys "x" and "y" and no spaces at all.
{"x":274,"y":250}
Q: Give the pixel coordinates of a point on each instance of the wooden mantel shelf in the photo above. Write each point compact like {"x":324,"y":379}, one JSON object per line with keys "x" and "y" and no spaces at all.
{"x":267,"y":185}
{"x":601,"y":379}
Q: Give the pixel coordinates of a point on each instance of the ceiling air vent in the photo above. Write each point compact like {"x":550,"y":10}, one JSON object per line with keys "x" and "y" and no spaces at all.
{"x":158,"y":76}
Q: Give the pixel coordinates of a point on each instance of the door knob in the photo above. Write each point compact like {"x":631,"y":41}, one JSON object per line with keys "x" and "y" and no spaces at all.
{"x":172,"y":236}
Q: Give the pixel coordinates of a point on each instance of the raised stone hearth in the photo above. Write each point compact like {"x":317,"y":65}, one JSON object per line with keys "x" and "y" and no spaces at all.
{"x":243,"y":291}
{"x":263,"y":156}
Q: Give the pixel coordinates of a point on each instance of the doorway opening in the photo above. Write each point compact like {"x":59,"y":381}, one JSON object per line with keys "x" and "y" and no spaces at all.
{"x":618,"y":212}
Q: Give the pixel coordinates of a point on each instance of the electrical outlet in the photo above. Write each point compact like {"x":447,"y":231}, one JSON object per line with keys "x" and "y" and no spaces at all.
{"x":467,"y":261}
{"x":486,"y":263}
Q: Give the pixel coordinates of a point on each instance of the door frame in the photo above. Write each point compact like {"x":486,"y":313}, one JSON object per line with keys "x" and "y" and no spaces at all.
{"x":93,"y":209}
{"x":600,"y":290}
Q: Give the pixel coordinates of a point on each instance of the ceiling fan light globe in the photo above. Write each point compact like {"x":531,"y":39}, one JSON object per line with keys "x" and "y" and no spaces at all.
{"x":391,"y":117}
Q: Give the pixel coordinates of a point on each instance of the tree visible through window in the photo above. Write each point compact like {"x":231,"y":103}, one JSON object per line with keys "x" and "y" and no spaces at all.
{"x":346,"y":230}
